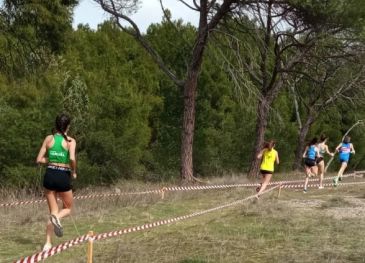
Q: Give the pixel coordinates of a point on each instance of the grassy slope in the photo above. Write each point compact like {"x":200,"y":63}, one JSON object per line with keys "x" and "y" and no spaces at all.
{"x":321,"y":226}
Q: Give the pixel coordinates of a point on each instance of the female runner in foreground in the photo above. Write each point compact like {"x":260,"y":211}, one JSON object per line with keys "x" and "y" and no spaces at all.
{"x":322,"y":149}
{"x":58,"y":152}
{"x":310,"y":154}
{"x":345,"y":149}
{"x":269,"y":156}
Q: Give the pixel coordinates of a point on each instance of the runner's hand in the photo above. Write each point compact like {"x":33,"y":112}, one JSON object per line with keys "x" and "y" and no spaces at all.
{"x":74,"y":175}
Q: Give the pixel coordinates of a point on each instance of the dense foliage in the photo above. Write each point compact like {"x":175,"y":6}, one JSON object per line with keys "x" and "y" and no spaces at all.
{"x":127,"y":114}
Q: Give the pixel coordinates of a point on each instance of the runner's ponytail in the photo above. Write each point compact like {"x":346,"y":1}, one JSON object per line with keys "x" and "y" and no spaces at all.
{"x":270,"y":144}
{"x":61,"y":125}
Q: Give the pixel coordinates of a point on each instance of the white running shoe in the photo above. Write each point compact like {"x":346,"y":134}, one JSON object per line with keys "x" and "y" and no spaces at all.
{"x":47,"y":246}
{"x":335,"y":181}
{"x":58,"y":230}
{"x":320,"y":187}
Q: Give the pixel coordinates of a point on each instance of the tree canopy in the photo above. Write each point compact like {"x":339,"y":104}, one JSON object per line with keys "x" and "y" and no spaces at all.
{"x":127,"y":114}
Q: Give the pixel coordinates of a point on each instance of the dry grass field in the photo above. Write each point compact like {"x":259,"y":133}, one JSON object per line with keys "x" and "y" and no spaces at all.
{"x":320,"y":226}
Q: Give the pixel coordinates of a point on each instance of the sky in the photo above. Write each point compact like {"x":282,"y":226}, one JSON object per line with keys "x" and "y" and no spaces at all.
{"x":88,"y":12}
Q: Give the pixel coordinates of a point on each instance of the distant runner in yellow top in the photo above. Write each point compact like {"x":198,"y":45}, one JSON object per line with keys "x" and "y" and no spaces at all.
{"x":269,"y":156}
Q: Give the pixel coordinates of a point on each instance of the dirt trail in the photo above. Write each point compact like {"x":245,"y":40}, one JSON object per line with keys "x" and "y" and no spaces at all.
{"x":336,"y":207}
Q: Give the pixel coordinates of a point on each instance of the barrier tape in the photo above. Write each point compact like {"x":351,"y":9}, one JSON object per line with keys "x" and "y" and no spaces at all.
{"x":80,"y":197}
{"x":317,"y":185}
{"x":58,"y":249}
{"x":174,"y":189}
{"x":357,"y":174}
{"x":208,"y":187}
{"x":62,"y":247}
{"x":54,"y":250}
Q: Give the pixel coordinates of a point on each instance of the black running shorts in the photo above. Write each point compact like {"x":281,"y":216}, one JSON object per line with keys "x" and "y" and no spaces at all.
{"x":319,"y":159}
{"x":310,"y":162}
{"x":265,"y":172}
{"x":57,"y":180}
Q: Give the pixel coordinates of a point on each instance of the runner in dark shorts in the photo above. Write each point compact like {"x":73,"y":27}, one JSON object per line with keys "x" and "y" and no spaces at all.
{"x":310,"y":155}
{"x":58,"y":153}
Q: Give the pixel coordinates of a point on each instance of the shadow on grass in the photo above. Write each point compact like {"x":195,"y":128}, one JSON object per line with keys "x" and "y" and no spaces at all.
{"x":22,"y":240}
{"x":192,"y":261}
{"x":335,"y":202}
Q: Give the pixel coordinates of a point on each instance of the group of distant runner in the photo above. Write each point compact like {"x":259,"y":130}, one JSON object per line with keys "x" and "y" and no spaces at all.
{"x":58,"y":153}
{"x":313,"y":160}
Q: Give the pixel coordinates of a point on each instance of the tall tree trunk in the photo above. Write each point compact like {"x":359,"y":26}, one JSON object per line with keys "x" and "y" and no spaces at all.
{"x":301,"y":142}
{"x":188,"y":127}
{"x":261,"y":124}
{"x":190,"y":87}
{"x":264,"y":104}
{"x":205,"y":9}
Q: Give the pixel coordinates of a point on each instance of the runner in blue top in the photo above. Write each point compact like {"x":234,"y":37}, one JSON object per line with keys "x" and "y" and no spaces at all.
{"x":345,"y":149}
{"x":310,"y":155}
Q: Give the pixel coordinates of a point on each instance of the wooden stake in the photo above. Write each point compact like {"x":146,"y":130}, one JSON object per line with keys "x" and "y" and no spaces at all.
{"x":163,"y":193}
{"x":279,"y":191}
{"x":90,"y":248}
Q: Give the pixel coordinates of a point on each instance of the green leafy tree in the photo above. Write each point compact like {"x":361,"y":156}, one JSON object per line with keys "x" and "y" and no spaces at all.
{"x":211,"y":13}
{"x":31,"y":31}
{"x":284,"y":32}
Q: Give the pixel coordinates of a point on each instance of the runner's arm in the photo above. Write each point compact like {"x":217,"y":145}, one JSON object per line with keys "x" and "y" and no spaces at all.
{"x":305,"y":152}
{"x":328,"y":151}
{"x":259,"y":156}
{"x":338,"y":147}
{"x":73,"y":158}
{"x":277,"y":159}
{"x":41,"y":159}
{"x":352,"y":148}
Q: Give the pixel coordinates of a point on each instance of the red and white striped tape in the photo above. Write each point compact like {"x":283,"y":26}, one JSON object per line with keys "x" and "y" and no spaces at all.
{"x":209,"y":187}
{"x":58,"y":249}
{"x":81,"y":197}
{"x":173,"y":189}
{"x":62,"y":247}
{"x":317,"y":178}
{"x":54,"y":250}
{"x":27,"y":202}
{"x":317,"y":185}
